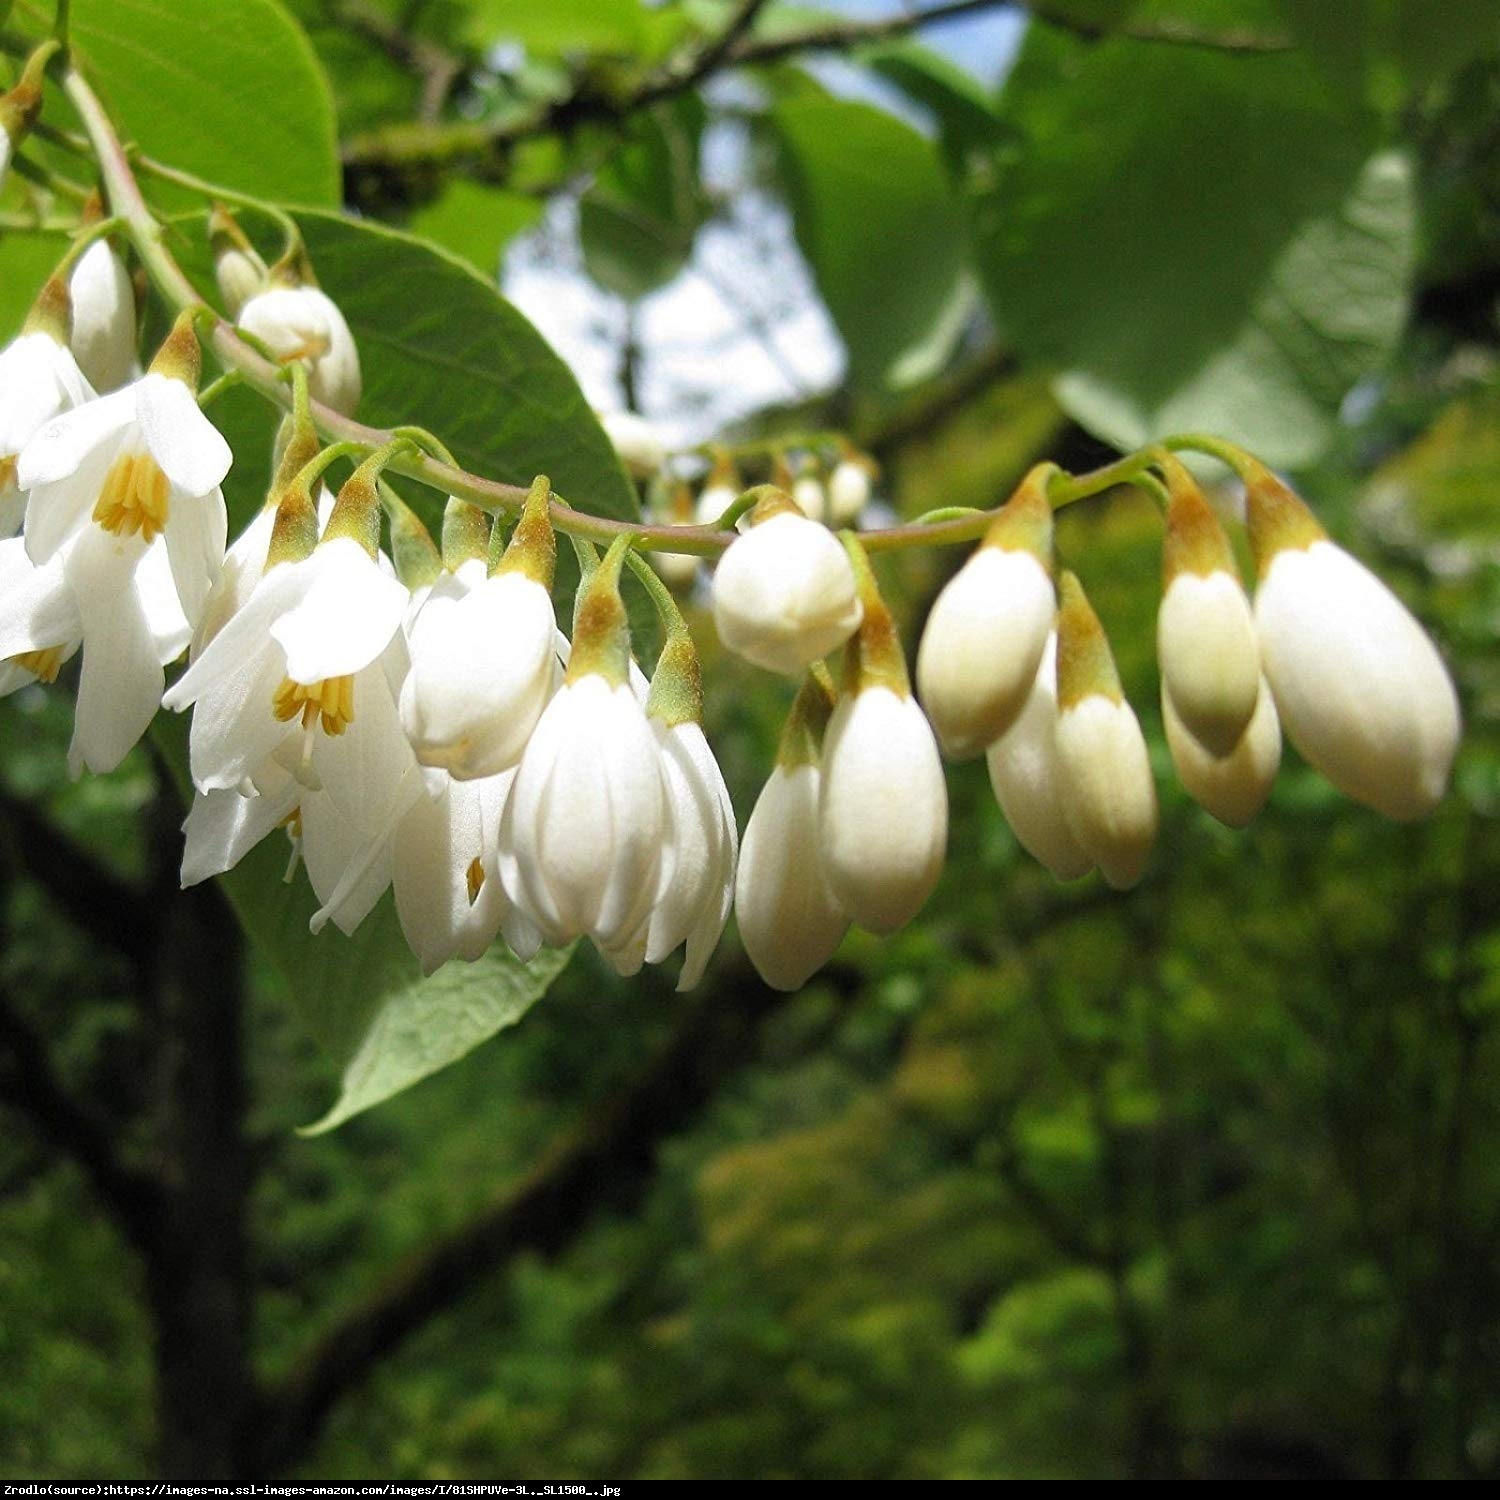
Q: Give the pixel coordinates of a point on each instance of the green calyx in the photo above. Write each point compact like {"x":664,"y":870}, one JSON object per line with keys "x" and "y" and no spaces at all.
{"x":20,"y":106}
{"x":418,"y":562}
{"x":873,"y":657}
{"x":180,"y":357}
{"x":294,"y":533}
{"x":676,"y":695}
{"x":601,"y":627}
{"x":52,"y":312}
{"x":1278,"y":519}
{"x":1024,"y":522}
{"x":466,"y":534}
{"x":1085,"y":664}
{"x":764,"y":501}
{"x":802,"y":735}
{"x":1195,"y":541}
{"x":532,"y":548}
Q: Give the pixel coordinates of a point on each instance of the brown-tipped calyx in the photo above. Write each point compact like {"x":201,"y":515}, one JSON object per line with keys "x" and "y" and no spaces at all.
{"x":723,"y":471}
{"x":294,"y":533}
{"x":601,"y":626}
{"x":1196,"y":541}
{"x":52,"y":312}
{"x":21,"y":105}
{"x":532,"y":548}
{"x":873,"y":656}
{"x":466,"y":534}
{"x":1085,"y":664}
{"x":676,"y":695}
{"x":356,"y":509}
{"x":1024,"y":522}
{"x":1278,"y":519}
{"x":770,"y":500}
{"x":415,"y":555}
{"x":802,"y":736}
{"x":180,"y":357}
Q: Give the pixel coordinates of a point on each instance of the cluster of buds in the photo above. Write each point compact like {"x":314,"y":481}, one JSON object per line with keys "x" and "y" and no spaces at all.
{"x":414,"y":719}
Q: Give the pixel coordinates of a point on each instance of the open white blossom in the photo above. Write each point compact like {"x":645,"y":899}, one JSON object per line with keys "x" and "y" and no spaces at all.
{"x":39,"y":380}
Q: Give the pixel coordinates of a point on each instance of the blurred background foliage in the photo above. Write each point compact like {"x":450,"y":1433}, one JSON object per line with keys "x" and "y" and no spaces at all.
{"x":1200,"y":1181}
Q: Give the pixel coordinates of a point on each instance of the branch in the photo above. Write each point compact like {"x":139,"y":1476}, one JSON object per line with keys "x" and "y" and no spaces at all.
{"x":30,"y":1085}
{"x":451,"y":144}
{"x":89,"y":895}
{"x":609,"y":1160}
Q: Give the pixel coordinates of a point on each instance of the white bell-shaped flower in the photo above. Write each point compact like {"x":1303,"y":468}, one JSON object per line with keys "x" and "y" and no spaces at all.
{"x":104,"y":322}
{"x":784,"y":592}
{"x":304,"y":323}
{"x":986,"y":631}
{"x":140,"y":463}
{"x":1360,"y":688}
{"x":1109,"y":795}
{"x":790,"y":922}
{"x":39,"y":380}
{"x":809,"y":496}
{"x":883,"y":807}
{"x":848,"y":490}
{"x":1205,"y":636}
{"x":584,"y":833}
{"x":1233,"y":787}
{"x":693,"y":905}
{"x":40,"y":627}
{"x":637,"y":442}
{"x":1028,"y":782}
{"x":482,"y":668}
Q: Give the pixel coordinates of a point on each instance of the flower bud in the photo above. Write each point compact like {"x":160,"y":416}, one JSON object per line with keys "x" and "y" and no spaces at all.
{"x":849,"y":489}
{"x":808,"y":494}
{"x":784,"y":593}
{"x":1205,"y":637}
{"x":104,"y":328}
{"x":20,"y":106}
{"x":238,"y":268}
{"x":1027,"y":778}
{"x":883,"y":810}
{"x":302,"y":322}
{"x":984,"y":637}
{"x":1359,"y":686}
{"x":719,"y":492}
{"x":1233,"y":787}
{"x":637,"y":442}
{"x":789,"y":920}
{"x":1108,"y":794}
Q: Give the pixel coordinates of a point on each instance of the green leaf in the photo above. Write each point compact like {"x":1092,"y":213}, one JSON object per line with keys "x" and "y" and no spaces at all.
{"x":880,"y":228}
{"x":363,"y":997}
{"x":442,"y":349}
{"x":963,"y":111}
{"x":571,"y":28}
{"x":1240,"y":278}
{"x":476,"y":222}
{"x":26,"y":261}
{"x":231,"y":92}
{"x":638,"y":220}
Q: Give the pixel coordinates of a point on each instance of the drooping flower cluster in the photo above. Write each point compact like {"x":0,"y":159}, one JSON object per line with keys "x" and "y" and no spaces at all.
{"x":414,"y":720}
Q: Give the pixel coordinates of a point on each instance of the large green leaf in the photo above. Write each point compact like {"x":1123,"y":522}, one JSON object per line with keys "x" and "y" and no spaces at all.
{"x":638,"y":219}
{"x":1241,"y":277}
{"x":443,"y":349}
{"x":476,"y":222}
{"x":232,"y":92}
{"x":880,"y":228}
{"x":363,"y":997}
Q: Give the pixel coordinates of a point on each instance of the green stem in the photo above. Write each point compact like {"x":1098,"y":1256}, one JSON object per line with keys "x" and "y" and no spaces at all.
{"x":216,"y":388}
{"x":672,"y":622}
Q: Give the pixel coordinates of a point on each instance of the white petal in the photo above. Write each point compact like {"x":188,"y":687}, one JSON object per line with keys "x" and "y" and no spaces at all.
{"x":1210,"y":657}
{"x":1109,"y":795}
{"x":345,"y":619}
{"x":37,"y":611}
{"x":39,"y":379}
{"x":224,"y":826}
{"x":61,"y":447}
{"x":103,"y":336}
{"x":187,"y":447}
{"x":1232,"y":787}
{"x":197,"y":526}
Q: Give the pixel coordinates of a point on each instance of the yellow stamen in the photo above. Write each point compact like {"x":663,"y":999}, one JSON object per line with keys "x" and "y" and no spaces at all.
{"x":329,"y":702}
{"x":8,"y":472}
{"x":474,"y":875}
{"x":134,"y":497}
{"x":43,"y":665}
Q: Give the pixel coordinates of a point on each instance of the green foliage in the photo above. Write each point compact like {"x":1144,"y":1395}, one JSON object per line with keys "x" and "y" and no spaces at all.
{"x":879,"y":227}
{"x":1238,"y":279}
{"x":476,"y":222}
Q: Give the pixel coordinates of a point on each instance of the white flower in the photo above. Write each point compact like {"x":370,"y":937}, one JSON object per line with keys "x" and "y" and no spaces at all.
{"x":141,"y":462}
{"x":449,"y":898}
{"x":1232,"y":787}
{"x":637,"y":442}
{"x":848,"y":491}
{"x":5,"y":152}
{"x":282,"y":677}
{"x":784,"y":594}
{"x":1027,"y":778}
{"x":808,"y":496}
{"x":1109,"y":796}
{"x":40,"y":627}
{"x":789,"y":919}
{"x":304,"y":323}
{"x":581,"y":841}
{"x":104,"y":332}
{"x":241,"y":275}
{"x":981,"y":646}
{"x":714,"y":500}
{"x":883,"y":809}
{"x":1209,"y":655}
{"x":482,"y":665}
{"x":1108,"y":793}
{"x":693,"y":904}
{"x":39,"y":379}
{"x":1361,"y":690}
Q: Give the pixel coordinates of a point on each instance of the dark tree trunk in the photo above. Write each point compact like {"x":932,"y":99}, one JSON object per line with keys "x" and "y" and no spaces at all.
{"x":198,"y":1274}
